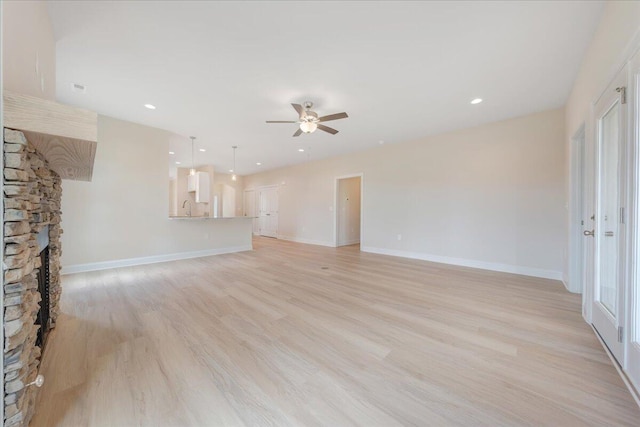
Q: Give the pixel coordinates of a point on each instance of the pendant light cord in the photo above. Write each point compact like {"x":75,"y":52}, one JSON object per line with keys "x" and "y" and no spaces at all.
{"x":233,"y":177}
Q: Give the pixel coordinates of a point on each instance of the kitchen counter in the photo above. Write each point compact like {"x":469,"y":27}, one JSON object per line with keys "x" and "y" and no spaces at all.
{"x":191,"y":218}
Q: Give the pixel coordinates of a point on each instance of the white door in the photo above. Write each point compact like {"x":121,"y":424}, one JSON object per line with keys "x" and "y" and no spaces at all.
{"x":632,"y":336}
{"x":249,"y":203}
{"x":268,"y":204}
{"x":609,"y":261}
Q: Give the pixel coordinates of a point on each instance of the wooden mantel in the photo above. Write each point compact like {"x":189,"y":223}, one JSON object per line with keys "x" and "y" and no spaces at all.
{"x":66,"y":136}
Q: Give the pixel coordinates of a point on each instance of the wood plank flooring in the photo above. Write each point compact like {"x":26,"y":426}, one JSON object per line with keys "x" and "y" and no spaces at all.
{"x":300,"y":335}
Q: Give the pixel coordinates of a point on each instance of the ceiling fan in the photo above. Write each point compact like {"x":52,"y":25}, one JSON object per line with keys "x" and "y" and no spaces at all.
{"x":309,"y":120}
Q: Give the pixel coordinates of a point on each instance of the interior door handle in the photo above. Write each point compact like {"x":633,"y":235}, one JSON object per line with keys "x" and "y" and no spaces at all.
{"x":608,"y":233}
{"x":588,"y":233}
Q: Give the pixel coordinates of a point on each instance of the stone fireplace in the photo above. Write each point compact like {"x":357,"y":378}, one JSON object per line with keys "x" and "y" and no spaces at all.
{"x":31,"y":269}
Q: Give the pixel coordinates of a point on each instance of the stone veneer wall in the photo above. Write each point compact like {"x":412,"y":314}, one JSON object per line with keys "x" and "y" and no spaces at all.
{"x":32,"y":193}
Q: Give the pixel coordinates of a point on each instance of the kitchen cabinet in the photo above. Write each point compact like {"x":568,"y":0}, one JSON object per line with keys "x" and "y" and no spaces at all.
{"x":201,"y":185}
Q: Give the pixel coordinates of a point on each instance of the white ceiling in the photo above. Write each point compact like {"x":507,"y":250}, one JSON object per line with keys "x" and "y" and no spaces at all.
{"x":401,"y":70}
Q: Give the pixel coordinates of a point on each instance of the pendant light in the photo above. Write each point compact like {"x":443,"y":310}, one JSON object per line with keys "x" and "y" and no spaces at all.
{"x":192,"y":171}
{"x":234,"y":177}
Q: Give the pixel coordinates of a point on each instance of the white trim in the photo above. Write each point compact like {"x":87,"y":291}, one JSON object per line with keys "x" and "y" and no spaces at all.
{"x":632,"y":335}
{"x":625,"y":379}
{"x":129,"y":262}
{"x":263,"y":187}
{"x":306,"y":241}
{"x":577,"y":195}
{"x":335,"y":205}
{"x":623,"y":58}
{"x":504,"y":268}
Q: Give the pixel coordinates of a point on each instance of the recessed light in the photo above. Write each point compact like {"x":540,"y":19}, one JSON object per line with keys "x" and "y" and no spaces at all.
{"x":476,"y":101}
{"x":258,"y":164}
{"x":203,"y":150}
{"x":231,"y":170}
{"x":381,"y":142}
{"x":150,"y":107}
{"x":177,"y":163}
{"x":301,"y":150}
{"x":172,"y":152}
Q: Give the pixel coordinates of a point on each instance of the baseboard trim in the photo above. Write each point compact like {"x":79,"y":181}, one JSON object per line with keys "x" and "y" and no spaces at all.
{"x":306,"y":241}
{"x":129,"y":262}
{"x":504,"y":268}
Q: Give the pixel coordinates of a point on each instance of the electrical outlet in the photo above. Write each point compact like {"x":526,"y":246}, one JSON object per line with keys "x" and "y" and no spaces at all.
{"x":399,"y":236}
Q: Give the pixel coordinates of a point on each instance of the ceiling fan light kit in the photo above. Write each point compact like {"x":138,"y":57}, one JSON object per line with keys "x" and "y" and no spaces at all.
{"x":308,"y":127}
{"x":309,"y":121}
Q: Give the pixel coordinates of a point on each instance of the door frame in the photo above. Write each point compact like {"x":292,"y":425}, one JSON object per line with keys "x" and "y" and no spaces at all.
{"x":335,"y":206}
{"x":599,"y":313}
{"x":632,"y":326}
{"x":629,"y":374}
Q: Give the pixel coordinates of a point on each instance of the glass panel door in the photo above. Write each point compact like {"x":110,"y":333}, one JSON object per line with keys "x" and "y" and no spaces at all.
{"x":632,"y":335}
{"x":607,"y":225}
{"x":609,"y":260}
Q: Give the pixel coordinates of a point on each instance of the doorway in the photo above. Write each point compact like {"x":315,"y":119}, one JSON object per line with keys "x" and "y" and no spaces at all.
{"x":268,"y":211}
{"x":348,"y":212}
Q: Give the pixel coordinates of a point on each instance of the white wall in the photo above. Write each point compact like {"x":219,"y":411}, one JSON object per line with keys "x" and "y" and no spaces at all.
{"x":28,"y":44}
{"x":348,"y":211}
{"x":620,"y":22}
{"x":490,"y":196}
{"x":122,"y":213}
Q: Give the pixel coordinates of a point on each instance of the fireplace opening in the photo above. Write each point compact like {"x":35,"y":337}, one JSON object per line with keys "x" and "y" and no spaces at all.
{"x":42,"y":319}
{"x":43,"y":287}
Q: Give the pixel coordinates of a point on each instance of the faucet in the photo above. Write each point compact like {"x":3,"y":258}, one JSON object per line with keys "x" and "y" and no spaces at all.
{"x":189,"y":210}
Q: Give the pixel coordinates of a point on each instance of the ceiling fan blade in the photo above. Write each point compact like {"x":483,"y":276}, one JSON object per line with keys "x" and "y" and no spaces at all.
{"x":300,"y":109}
{"x":298,"y":132}
{"x":332,"y":131}
{"x":280,"y":121}
{"x":333,"y":117}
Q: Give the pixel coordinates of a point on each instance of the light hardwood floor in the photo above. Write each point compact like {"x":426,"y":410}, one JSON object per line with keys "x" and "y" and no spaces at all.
{"x":293,"y":334}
